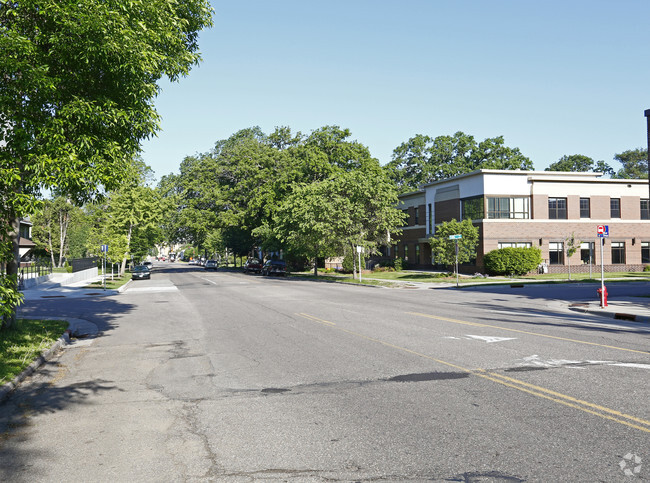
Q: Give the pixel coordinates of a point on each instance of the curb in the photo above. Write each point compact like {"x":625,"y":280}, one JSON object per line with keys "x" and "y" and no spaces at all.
{"x":613,"y":315}
{"x":9,"y":387}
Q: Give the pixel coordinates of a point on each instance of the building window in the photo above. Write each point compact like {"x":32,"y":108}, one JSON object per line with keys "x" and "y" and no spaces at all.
{"x":430,"y":219}
{"x":557,"y":208}
{"x":618,"y":252}
{"x":585,"y":208}
{"x":515,"y":244}
{"x":417,"y":253}
{"x":406,"y":252}
{"x":645,"y":209}
{"x":407,"y":218}
{"x":556,"y":253}
{"x":417,"y":216}
{"x":23,"y":231}
{"x":645,"y":252}
{"x":615,"y":207}
{"x":508,"y":208}
{"x":472,"y":208}
{"x":587,"y":253}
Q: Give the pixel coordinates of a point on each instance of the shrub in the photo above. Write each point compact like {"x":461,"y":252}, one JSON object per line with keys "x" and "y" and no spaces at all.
{"x":515,"y":261}
{"x":398,"y":264}
{"x":646,"y":268}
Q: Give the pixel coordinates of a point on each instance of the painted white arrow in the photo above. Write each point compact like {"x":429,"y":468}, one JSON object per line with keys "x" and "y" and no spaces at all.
{"x":489,"y":339}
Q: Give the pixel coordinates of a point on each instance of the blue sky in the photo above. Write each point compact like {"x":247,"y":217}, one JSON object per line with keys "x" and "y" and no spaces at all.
{"x":552,"y":77}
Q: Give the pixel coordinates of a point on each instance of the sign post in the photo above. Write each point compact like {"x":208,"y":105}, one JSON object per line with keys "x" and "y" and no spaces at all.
{"x":104,"y":251}
{"x":359,"y":251}
{"x":456,"y":238}
{"x":603,"y":232}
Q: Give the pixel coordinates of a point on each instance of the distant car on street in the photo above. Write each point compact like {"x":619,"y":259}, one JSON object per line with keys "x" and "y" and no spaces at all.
{"x":274,"y":267}
{"x":148,"y":264}
{"x":140,"y":272}
{"x":211,"y":265}
{"x":253,"y":265}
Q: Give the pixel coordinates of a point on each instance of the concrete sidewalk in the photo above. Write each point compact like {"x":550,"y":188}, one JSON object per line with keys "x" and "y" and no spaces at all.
{"x":53,"y":289}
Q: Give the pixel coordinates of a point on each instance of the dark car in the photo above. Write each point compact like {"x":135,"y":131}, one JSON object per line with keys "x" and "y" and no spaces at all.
{"x":274,"y":267}
{"x":211,"y":265}
{"x":253,"y":265}
{"x":140,"y":272}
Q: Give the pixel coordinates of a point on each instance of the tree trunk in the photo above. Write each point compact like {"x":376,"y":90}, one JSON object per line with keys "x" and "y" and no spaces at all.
{"x":128,"y":249}
{"x":315,"y":267}
{"x":354,"y":262}
{"x":49,"y":242}
{"x":13,"y":267}
{"x":64,"y":222}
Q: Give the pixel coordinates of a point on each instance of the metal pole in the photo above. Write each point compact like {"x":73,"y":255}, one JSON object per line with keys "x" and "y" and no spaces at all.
{"x":602,"y":272}
{"x":359,"y":250}
{"x":647,"y":115}
{"x":104,"y":271}
{"x":456,"y":263}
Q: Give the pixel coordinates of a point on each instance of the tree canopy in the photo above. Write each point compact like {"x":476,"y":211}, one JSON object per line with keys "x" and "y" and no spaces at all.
{"x":580,"y":163}
{"x":76,"y":98}
{"x":635,"y":164}
{"x":423,"y":159}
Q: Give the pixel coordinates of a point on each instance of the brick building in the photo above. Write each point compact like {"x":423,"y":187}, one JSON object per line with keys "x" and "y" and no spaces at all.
{"x":535,"y":208}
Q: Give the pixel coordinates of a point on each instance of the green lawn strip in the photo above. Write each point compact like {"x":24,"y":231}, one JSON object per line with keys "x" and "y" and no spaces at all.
{"x":24,"y":342}
{"x":114,"y":284}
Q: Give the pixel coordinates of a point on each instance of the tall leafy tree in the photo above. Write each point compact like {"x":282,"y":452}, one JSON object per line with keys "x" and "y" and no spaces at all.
{"x":423,"y":159}
{"x":580,"y":163}
{"x":635,"y":164}
{"x":77,"y":91}
{"x":444,"y":249}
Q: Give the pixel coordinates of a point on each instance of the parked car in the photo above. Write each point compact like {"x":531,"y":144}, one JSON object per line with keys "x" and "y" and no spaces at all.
{"x":253,"y":265}
{"x":211,"y":265}
{"x":274,"y":267}
{"x":148,"y":264}
{"x":140,"y":272}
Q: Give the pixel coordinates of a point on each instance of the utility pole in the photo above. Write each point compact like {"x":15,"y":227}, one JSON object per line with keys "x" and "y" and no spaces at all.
{"x":647,"y":115}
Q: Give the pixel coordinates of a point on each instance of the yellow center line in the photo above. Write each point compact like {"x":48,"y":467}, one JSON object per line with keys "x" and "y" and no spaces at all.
{"x":476,"y":324}
{"x":557,"y":397}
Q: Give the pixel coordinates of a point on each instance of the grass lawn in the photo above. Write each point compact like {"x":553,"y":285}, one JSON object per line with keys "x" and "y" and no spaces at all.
{"x":114,"y":284}
{"x":24,"y":342}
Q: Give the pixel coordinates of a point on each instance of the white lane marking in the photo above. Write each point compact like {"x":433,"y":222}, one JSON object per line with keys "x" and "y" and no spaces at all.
{"x":208,"y":280}
{"x":151,"y":289}
{"x":631,"y":364}
{"x":489,"y":339}
{"x":537,"y":361}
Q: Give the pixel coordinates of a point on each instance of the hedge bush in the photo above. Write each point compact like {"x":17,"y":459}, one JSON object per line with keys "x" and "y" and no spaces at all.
{"x":512,"y":261}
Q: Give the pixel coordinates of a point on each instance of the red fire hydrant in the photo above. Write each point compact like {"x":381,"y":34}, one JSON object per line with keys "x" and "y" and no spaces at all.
{"x":602,"y":294}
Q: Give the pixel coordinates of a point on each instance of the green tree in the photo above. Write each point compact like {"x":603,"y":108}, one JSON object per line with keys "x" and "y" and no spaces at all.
{"x":76,"y":97}
{"x":52,"y":224}
{"x":572,"y":245}
{"x":635,"y":164}
{"x":444,"y":249}
{"x":423,"y":159}
{"x":580,"y":163}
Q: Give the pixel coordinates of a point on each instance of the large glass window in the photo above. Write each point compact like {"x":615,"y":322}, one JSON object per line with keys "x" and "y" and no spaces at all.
{"x":508,"y":208}
{"x":618,"y":252}
{"x":430,"y":219}
{"x":645,"y":252}
{"x":645,"y":209}
{"x":417,"y":215}
{"x":587,"y":252}
{"x":515,"y":244}
{"x":615,"y":207}
{"x":585,"y":208}
{"x":417,"y":253}
{"x":472,"y":208}
{"x":557,"y":208}
{"x":556,"y":253}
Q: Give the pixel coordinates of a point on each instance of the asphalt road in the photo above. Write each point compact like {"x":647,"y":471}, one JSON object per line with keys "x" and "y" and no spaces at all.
{"x":221,"y":376}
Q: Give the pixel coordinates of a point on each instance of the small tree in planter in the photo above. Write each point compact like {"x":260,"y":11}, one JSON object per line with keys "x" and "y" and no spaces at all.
{"x":572,"y":244}
{"x":444,"y":249}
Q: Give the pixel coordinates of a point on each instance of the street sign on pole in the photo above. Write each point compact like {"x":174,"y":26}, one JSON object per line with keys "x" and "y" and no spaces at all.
{"x":602,"y":231}
{"x":455,"y":237}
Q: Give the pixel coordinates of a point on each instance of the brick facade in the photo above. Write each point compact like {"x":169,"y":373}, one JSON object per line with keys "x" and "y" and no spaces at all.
{"x":537,"y":229}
